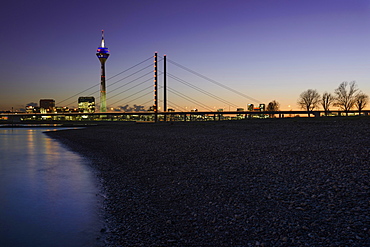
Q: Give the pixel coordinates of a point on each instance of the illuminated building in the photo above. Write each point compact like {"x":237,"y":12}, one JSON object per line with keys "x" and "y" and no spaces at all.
{"x":102,"y":54}
{"x":47,"y":105}
{"x":262,"y":107}
{"x":86,"y":104}
{"x":32,"y":109}
{"x":62,"y":109}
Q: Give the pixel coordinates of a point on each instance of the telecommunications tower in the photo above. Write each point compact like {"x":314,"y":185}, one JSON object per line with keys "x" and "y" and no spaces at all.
{"x":102,"y":54}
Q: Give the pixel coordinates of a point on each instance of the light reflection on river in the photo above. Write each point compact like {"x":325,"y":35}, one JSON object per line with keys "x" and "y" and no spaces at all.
{"x":48,"y":194}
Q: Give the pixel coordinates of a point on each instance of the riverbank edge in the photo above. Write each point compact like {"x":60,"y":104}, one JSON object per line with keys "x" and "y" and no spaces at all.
{"x":93,"y":163}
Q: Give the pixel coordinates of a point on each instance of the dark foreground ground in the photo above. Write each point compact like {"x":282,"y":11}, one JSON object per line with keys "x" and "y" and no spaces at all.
{"x":287,"y":182}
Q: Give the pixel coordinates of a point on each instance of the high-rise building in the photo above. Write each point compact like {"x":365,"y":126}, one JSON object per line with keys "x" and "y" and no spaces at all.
{"x":102,"y":54}
{"x":47,"y":105}
{"x":86,"y":104}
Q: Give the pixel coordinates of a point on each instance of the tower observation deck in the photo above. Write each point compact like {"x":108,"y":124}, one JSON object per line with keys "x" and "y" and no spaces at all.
{"x":102,"y":54}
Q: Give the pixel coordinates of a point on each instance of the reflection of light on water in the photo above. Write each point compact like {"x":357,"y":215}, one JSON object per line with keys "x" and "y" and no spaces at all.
{"x":51,"y":159}
{"x":50,"y":194}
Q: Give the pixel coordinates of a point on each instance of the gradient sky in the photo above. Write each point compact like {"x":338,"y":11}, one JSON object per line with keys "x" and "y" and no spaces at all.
{"x":266,"y":49}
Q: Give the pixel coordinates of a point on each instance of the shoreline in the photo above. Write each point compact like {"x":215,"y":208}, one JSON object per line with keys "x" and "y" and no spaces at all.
{"x":272,"y":183}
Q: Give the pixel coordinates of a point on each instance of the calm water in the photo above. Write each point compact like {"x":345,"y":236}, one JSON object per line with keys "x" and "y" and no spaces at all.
{"x":48,"y":194}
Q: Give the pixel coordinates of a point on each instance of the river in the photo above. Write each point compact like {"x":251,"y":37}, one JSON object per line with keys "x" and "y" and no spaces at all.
{"x":49,"y":195}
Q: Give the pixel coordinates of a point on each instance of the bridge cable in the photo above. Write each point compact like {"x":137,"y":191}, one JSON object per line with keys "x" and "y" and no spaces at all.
{"x":131,"y":75}
{"x":201,"y":90}
{"x":188,"y":98}
{"x":159,"y":87}
{"x":147,"y":102}
{"x":129,"y":68}
{"x":171,"y":103}
{"x":129,"y":82}
{"x":213,"y":81}
{"x":98,"y":97}
{"x":78,"y":94}
{"x":107,"y":80}
{"x":130,"y":88}
{"x":133,"y":95}
{"x":140,"y":97}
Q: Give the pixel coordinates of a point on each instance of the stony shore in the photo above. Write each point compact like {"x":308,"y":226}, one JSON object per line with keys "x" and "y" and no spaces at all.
{"x":280,"y":182}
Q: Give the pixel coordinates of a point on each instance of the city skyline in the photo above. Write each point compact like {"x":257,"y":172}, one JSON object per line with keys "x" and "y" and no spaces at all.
{"x":268,"y":50}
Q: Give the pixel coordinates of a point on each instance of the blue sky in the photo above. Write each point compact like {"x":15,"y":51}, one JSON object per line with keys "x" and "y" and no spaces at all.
{"x":268,"y":50}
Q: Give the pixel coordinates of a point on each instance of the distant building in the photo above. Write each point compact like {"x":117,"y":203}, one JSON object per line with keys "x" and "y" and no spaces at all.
{"x":86,"y":104}
{"x":47,"y":105}
{"x":32,"y":109}
{"x":262,"y":107}
{"x":63,"y":109}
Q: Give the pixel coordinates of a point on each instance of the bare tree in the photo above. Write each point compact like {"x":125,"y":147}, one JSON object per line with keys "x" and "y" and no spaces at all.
{"x":361,"y":101}
{"x":345,"y":96}
{"x":327,"y":100}
{"x":273,"y":106}
{"x":309,"y":100}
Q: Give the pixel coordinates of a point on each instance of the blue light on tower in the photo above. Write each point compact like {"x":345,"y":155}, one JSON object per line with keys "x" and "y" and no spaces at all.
{"x":102,"y":54}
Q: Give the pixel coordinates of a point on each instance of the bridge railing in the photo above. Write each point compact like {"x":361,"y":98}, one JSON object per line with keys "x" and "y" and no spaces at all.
{"x":20,"y":118}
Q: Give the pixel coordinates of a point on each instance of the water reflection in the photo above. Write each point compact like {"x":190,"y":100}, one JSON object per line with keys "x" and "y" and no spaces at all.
{"x":47,"y":193}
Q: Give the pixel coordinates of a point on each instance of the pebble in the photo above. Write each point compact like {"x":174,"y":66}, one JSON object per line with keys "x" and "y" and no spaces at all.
{"x":277,"y":182}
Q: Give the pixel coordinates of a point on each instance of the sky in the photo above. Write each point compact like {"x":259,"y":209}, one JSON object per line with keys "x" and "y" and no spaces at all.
{"x":264,"y":49}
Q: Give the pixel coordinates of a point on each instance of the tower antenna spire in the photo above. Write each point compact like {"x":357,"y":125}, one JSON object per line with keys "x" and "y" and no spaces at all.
{"x":102,"y":44}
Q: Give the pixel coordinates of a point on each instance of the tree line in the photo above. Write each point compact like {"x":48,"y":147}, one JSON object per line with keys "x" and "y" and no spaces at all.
{"x":346,"y":97}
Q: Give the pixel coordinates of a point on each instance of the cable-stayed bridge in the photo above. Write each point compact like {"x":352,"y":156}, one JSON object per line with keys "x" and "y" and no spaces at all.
{"x":134,"y":87}
{"x":132,"y":95}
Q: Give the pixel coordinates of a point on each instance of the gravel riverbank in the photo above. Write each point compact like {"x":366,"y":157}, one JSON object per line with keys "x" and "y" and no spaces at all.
{"x":280,"y":182}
